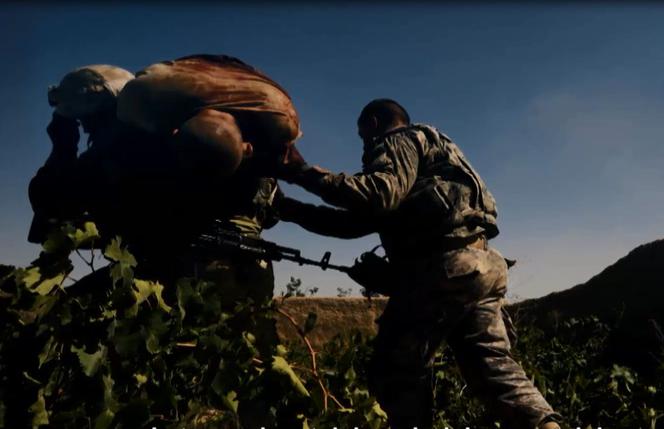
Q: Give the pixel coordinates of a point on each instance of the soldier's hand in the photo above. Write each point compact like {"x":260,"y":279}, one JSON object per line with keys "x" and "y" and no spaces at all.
{"x":291,"y":165}
{"x":63,"y":132}
{"x":293,"y":157}
{"x":321,"y":170}
{"x":281,"y":165}
{"x":372,"y":272}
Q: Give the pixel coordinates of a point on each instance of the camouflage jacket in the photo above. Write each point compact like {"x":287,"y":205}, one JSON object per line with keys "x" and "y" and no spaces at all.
{"x":416,"y":189}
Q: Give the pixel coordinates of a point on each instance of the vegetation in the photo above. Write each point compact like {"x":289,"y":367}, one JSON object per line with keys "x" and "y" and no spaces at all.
{"x":115,"y":351}
{"x":295,"y":288}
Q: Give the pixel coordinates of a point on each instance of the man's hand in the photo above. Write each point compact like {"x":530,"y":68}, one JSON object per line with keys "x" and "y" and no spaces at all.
{"x":321,"y":170}
{"x":288,"y":166}
{"x":291,"y":165}
{"x":281,"y":165}
{"x":293,"y":157}
{"x":373,"y":273}
{"x":63,"y":132}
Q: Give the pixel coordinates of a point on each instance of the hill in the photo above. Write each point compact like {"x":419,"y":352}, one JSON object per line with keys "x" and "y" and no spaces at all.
{"x":628,"y":295}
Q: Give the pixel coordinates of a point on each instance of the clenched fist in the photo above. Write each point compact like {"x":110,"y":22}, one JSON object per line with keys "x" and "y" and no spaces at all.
{"x":63,"y":132}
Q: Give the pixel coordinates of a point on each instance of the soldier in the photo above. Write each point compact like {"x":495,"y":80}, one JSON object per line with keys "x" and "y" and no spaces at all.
{"x":132,"y":183}
{"x":123,"y":180}
{"x":434,"y":215}
{"x":150,"y":190}
{"x":85,"y":96}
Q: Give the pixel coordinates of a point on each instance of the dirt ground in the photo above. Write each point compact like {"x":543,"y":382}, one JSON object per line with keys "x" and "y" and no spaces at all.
{"x":334,"y":316}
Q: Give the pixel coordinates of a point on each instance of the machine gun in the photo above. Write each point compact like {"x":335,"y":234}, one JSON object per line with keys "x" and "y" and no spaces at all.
{"x":223,"y":242}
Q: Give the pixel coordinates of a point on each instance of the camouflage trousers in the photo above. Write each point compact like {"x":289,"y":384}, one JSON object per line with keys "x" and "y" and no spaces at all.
{"x":249,"y":282}
{"x":456,"y":296}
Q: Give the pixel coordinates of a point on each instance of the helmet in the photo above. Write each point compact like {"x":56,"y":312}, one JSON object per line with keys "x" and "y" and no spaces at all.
{"x":88,"y":90}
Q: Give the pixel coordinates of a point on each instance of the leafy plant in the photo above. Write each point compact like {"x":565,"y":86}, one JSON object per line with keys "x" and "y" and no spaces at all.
{"x":295,"y":288}
{"x":114,"y":350}
{"x":344,"y":292}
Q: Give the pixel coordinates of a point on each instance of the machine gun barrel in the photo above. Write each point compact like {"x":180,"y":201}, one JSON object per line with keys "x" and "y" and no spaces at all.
{"x":223,"y":242}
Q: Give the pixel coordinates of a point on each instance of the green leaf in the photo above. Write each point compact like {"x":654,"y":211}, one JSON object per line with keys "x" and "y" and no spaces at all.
{"x":109,"y":400}
{"x":230,"y":400}
{"x":152,"y":343}
{"x":90,"y":363}
{"x":42,"y":305}
{"x":29,"y":276}
{"x":282,"y":350}
{"x":350,"y":375}
{"x":376,"y":417}
{"x":280,"y":366}
{"x":104,"y":419}
{"x":124,"y":262}
{"x":48,"y":352}
{"x":141,"y":379}
{"x":58,"y":241}
{"x":143,"y":289}
{"x":85,"y":236}
{"x":116,"y":253}
{"x":305,"y":422}
{"x":38,"y":411}
{"x":46,"y":286}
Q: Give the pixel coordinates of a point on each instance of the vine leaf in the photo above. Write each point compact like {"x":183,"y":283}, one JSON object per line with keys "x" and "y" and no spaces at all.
{"x":46,"y":286}
{"x":143,"y":289}
{"x":141,"y":379}
{"x":281,"y":366}
{"x":48,"y":352}
{"x":57,"y":241}
{"x":85,"y":236}
{"x":90,"y":363}
{"x":124,"y":262}
{"x":376,"y":416}
{"x":104,"y":419}
{"x":28,"y":277}
{"x":305,"y":421}
{"x":230,"y":400}
{"x":38,"y":410}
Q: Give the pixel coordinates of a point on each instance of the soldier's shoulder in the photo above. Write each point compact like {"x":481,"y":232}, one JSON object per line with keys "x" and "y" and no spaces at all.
{"x":430,"y":131}
{"x":408,"y":132}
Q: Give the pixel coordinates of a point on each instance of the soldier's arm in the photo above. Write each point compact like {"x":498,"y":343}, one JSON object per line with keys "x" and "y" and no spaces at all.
{"x":54,"y":190}
{"x":324,"y":220}
{"x":388,"y":176}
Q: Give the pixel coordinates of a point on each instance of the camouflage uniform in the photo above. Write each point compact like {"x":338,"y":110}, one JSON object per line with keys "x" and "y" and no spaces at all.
{"x":434,"y":215}
{"x":126,"y":186}
{"x":129,"y":184}
{"x":245,"y":277}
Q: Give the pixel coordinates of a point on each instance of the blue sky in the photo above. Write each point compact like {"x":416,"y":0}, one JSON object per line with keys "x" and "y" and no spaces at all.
{"x":559,"y":107}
